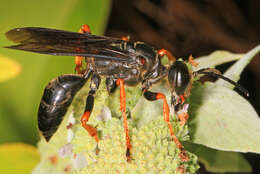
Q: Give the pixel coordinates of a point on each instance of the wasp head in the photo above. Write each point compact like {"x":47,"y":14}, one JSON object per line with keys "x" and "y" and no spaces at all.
{"x":179,"y":78}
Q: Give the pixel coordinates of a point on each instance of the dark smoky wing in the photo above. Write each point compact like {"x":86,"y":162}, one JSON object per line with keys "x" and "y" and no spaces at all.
{"x":109,"y":53}
{"x":59,"y":42}
{"x":46,"y":35}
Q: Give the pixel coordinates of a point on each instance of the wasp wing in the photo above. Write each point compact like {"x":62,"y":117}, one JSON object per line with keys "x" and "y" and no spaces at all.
{"x":59,"y":42}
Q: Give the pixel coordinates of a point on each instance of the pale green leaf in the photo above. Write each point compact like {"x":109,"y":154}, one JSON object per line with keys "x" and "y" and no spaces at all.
{"x":236,"y":69}
{"x":223,"y":120}
{"x":216,"y":111}
{"x":145,"y":110}
{"x":220,"y":161}
{"x":216,"y":58}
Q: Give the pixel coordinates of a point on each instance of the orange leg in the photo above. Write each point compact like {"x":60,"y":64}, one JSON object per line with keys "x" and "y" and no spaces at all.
{"x":85,"y":29}
{"x":120,"y":82}
{"x":78,"y":62}
{"x":192,"y":61}
{"x":164,"y":52}
{"x":183,"y":116}
{"x":166,"y":114}
{"x":94,"y":84}
{"x":182,"y":112}
{"x":181,"y":169}
{"x":78,"y":59}
{"x":125,"y":38}
{"x":91,"y":130}
{"x":182,"y":99}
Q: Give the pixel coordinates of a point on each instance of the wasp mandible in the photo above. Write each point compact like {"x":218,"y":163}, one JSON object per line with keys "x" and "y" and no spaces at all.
{"x":120,"y":61}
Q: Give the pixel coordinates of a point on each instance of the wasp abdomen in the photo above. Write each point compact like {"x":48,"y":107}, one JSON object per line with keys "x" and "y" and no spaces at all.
{"x":55,"y":101}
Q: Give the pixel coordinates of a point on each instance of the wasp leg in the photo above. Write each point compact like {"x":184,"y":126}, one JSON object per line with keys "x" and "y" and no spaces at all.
{"x":164,"y":52}
{"x":151,"y":96}
{"x":125,"y":38}
{"x":94,"y":84}
{"x":110,"y":84}
{"x":85,"y":29}
{"x":78,"y":59}
{"x":78,"y":62}
{"x":183,"y":116}
{"x":192,"y":61}
{"x":182,"y":113}
{"x":120,"y":82}
{"x":180,"y":109}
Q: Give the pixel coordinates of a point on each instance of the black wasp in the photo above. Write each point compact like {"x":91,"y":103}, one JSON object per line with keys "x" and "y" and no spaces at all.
{"x":120,"y":61}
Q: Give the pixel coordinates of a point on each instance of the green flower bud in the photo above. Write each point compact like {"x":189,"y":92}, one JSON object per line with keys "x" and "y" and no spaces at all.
{"x":73,"y":150}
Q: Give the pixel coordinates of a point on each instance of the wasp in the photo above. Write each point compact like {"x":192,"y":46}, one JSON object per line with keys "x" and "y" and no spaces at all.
{"x":121,"y":62}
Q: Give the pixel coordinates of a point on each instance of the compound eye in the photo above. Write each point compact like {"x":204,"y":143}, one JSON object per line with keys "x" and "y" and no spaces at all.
{"x":179,"y":77}
{"x":142,"y":60}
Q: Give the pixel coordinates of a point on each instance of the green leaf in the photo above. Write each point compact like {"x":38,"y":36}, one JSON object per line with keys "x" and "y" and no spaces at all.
{"x":223,"y":120}
{"x":8,"y":68}
{"x":219,"y":161}
{"x":235,"y":70}
{"x":216,"y":58}
{"x":18,"y":158}
{"x":219,"y":112}
{"x":19,"y":98}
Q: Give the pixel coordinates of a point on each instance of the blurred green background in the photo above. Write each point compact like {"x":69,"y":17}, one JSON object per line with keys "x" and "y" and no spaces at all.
{"x":20,"y":96}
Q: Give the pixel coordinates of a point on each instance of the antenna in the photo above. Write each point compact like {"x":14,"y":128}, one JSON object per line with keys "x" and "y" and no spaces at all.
{"x":215,"y":73}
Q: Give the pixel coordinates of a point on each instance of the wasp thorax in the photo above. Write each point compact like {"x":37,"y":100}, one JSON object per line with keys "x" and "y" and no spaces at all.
{"x":179,"y":77}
